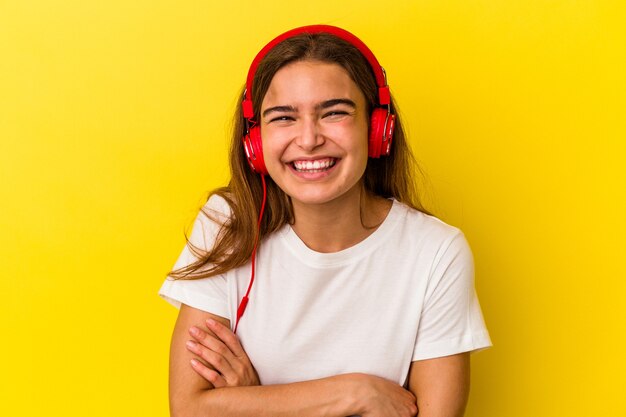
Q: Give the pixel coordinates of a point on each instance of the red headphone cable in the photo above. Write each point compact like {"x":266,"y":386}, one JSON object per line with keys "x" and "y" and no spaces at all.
{"x":245,"y":299}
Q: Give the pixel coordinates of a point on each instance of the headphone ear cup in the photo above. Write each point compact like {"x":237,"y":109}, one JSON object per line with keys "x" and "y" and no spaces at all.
{"x":254,"y":150}
{"x":377,"y":132}
{"x":386,"y":143}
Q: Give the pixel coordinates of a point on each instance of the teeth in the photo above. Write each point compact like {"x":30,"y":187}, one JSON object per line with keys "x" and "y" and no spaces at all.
{"x":314,"y":166}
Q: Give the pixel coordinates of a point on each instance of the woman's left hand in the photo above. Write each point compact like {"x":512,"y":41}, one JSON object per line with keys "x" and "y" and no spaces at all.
{"x":231,"y":365}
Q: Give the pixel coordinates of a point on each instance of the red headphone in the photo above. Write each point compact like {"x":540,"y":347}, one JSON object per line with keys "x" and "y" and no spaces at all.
{"x":382,"y":121}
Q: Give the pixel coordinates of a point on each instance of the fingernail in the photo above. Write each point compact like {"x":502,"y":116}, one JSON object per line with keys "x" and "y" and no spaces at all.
{"x":191,"y":344}
{"x":194,"y":331}
{"x":194,"y":362}
{"x":210,"y":322}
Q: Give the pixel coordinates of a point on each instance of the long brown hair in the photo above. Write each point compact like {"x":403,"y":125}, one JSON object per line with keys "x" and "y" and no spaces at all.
{"x":393,"y":176}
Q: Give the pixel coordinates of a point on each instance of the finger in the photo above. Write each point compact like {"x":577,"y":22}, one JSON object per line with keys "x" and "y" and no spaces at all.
{"x":212,"y":358}
{"x":240,"y":368}
{"x":200,"y":334}
{"x":210,"y":375}
{"x":227,"y":336}
{"x":232,"y":375}
{"x":213,"y":343}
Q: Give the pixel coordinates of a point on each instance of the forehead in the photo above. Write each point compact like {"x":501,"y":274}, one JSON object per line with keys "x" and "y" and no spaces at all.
{"x":311,"y":82}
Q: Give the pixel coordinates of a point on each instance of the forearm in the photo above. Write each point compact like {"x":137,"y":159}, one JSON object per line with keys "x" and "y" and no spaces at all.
{"x":214,"y":377}
{"x":333,"y":396}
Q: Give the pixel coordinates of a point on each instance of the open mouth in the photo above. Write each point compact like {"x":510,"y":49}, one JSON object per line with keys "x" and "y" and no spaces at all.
{"x":318,"y":165}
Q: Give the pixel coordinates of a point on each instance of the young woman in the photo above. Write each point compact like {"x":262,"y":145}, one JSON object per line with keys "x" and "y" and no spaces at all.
{"x":355,"y":301}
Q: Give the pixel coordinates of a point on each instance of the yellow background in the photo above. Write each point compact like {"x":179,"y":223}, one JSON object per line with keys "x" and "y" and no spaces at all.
{"x":113,"y":126}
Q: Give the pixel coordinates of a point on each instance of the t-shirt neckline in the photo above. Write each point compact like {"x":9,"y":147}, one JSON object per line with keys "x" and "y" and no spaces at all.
{"x":319,"y":259}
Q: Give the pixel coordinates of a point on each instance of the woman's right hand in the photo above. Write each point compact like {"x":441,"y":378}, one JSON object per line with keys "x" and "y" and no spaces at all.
{"x":378,"y":397}
{"x":230,"y":365}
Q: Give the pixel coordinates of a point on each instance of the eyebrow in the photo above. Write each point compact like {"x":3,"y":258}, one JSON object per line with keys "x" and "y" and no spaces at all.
{"x":282,"y":109}
{"x":323,"y":105}
{"x":333,"y":102}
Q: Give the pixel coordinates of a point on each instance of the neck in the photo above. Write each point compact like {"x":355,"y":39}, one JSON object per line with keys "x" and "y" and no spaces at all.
{"x":341,"y":223}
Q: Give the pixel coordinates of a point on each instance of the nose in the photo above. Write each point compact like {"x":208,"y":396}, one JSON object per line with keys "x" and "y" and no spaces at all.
{"x":309,"y":137}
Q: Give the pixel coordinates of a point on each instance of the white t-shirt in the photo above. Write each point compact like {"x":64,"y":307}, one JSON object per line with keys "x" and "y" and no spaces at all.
{"x":404,"y":293}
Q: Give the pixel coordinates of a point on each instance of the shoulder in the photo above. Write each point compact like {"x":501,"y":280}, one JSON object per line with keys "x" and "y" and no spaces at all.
{"x":421,"y":226}
{"x":216,"y":211}
{"x":429,"y":238}
{"x":218,"y":205}
{"x":213,"y":215}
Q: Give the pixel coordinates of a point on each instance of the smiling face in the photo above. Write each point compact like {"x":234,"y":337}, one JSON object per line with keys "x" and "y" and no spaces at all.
{"x":314,"y":127}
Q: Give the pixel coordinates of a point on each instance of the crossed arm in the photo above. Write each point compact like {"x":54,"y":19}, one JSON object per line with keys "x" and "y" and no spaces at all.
{"x":440,"y":385}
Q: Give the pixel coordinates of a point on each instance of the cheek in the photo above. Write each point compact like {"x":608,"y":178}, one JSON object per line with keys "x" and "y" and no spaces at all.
{"x":354,"y":136}
{"x":349,"y":131}
{"x":274,"y":142}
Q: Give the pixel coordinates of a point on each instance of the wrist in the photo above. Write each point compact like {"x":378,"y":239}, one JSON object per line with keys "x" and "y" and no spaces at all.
{"x":353,"y":389}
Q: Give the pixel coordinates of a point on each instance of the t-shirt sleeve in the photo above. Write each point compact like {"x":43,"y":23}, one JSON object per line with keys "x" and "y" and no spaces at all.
{"x":207,"y":294}
{"x":451,"y":321}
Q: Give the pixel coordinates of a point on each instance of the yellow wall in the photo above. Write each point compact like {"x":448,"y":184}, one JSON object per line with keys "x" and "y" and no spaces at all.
{"x":113,"y":119}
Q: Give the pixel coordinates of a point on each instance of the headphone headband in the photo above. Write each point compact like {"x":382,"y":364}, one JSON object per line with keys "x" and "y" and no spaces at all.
{"x":384,"y":97}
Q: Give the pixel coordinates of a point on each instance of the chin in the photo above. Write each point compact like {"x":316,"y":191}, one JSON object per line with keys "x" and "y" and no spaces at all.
{"x":298,"y":198}
{"x":319,"y":197}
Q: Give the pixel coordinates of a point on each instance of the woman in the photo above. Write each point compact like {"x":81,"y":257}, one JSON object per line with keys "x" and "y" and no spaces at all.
{"x":357,"y":301}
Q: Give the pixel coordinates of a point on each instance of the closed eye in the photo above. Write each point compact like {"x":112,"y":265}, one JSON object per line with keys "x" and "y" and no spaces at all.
{"x":336,"y":113}
{"x":281,"y":119}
